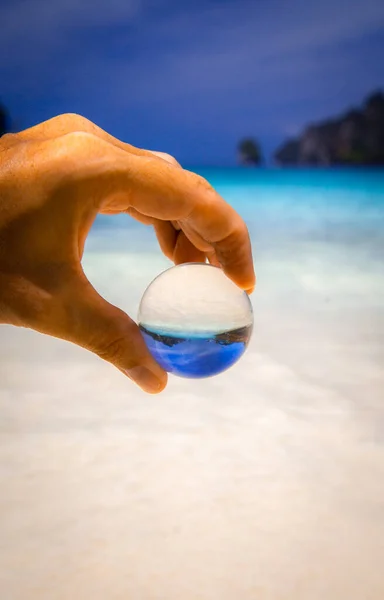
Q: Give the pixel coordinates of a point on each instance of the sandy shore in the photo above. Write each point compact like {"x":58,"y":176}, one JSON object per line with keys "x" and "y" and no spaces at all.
{"x":264,"y":483}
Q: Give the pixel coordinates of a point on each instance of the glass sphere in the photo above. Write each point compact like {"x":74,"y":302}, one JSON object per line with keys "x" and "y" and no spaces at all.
{"x":195,"y":321}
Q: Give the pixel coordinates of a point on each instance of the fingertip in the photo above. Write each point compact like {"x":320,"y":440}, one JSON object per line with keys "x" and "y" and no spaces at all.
{"x":160,"y":389}
{"x":152,"y":381}
{"x":162,"y":379}
{"x":243,"y":281}
{"x":234,"y":253}
{"x":250,"y":288}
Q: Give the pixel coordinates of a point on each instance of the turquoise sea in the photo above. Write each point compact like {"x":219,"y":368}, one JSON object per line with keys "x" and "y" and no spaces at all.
{"x":322,"y":205}
{"x":265,"y":482}
{"x":325,"y":225}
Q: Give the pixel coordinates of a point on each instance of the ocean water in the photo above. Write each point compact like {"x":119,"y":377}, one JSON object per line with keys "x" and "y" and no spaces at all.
{"x":266,"y":481}
{"x":327,"y":204}
{"x":196,"y":355}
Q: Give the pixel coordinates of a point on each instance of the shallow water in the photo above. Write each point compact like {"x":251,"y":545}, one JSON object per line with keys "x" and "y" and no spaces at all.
{"x":264,"y":482}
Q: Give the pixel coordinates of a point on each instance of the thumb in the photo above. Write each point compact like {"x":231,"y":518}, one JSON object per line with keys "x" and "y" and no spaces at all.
{"x":94,"y":324}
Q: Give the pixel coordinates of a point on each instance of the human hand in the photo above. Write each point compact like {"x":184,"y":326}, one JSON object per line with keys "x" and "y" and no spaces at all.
{"x":54,"y":179}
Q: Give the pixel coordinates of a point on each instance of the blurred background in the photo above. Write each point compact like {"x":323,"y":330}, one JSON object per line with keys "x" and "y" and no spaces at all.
{"x":266,"y":482}
{"x":195,"y":78}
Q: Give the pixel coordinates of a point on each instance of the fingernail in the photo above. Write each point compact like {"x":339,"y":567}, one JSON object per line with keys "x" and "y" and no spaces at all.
{"x":146,"y":379}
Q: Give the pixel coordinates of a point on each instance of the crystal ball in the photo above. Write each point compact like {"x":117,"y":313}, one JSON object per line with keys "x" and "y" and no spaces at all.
{"x":195,"y":321}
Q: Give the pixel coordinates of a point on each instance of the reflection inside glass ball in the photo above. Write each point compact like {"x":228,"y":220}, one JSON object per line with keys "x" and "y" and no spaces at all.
{"x":195,"y":321}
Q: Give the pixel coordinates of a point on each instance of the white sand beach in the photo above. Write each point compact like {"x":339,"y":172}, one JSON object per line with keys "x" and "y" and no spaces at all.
{"x":266,"y":482}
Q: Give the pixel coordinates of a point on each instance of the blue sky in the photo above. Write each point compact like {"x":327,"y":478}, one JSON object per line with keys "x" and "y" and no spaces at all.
{"x":190,"y":78}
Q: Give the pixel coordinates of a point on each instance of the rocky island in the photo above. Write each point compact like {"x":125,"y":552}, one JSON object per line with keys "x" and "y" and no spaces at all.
{"x":249,"y":153}
{"x":354,"y":138}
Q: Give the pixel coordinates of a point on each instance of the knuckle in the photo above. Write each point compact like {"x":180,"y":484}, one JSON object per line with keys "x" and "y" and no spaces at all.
{"x":230,"y":242}
{"x":202,"y":183}
{"x":240,"y":230}
{"x":78,"y":138}
{"x":169,"y":158}
{"x":71,"y":121}
{"x":119,"y":347}
{"x":67,"y":147}
{"x":113,"y":350}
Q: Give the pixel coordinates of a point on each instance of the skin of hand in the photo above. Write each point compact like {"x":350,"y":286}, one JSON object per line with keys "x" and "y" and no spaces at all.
{"x":54,"y":180}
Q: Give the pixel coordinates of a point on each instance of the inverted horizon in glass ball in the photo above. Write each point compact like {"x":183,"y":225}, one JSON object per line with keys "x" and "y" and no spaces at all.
{"x":195,"y":321}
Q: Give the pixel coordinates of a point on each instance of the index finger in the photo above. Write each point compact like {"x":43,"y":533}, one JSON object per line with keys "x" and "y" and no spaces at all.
{"x":165,"y":192}
{"x":113,"y":180}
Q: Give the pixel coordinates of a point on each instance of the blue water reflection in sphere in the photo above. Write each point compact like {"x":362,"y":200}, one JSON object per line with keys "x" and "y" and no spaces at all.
{"x":195,"y":321}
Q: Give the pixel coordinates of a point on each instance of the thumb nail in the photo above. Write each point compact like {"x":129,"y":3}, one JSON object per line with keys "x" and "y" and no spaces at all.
{"x":146,"y":379}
